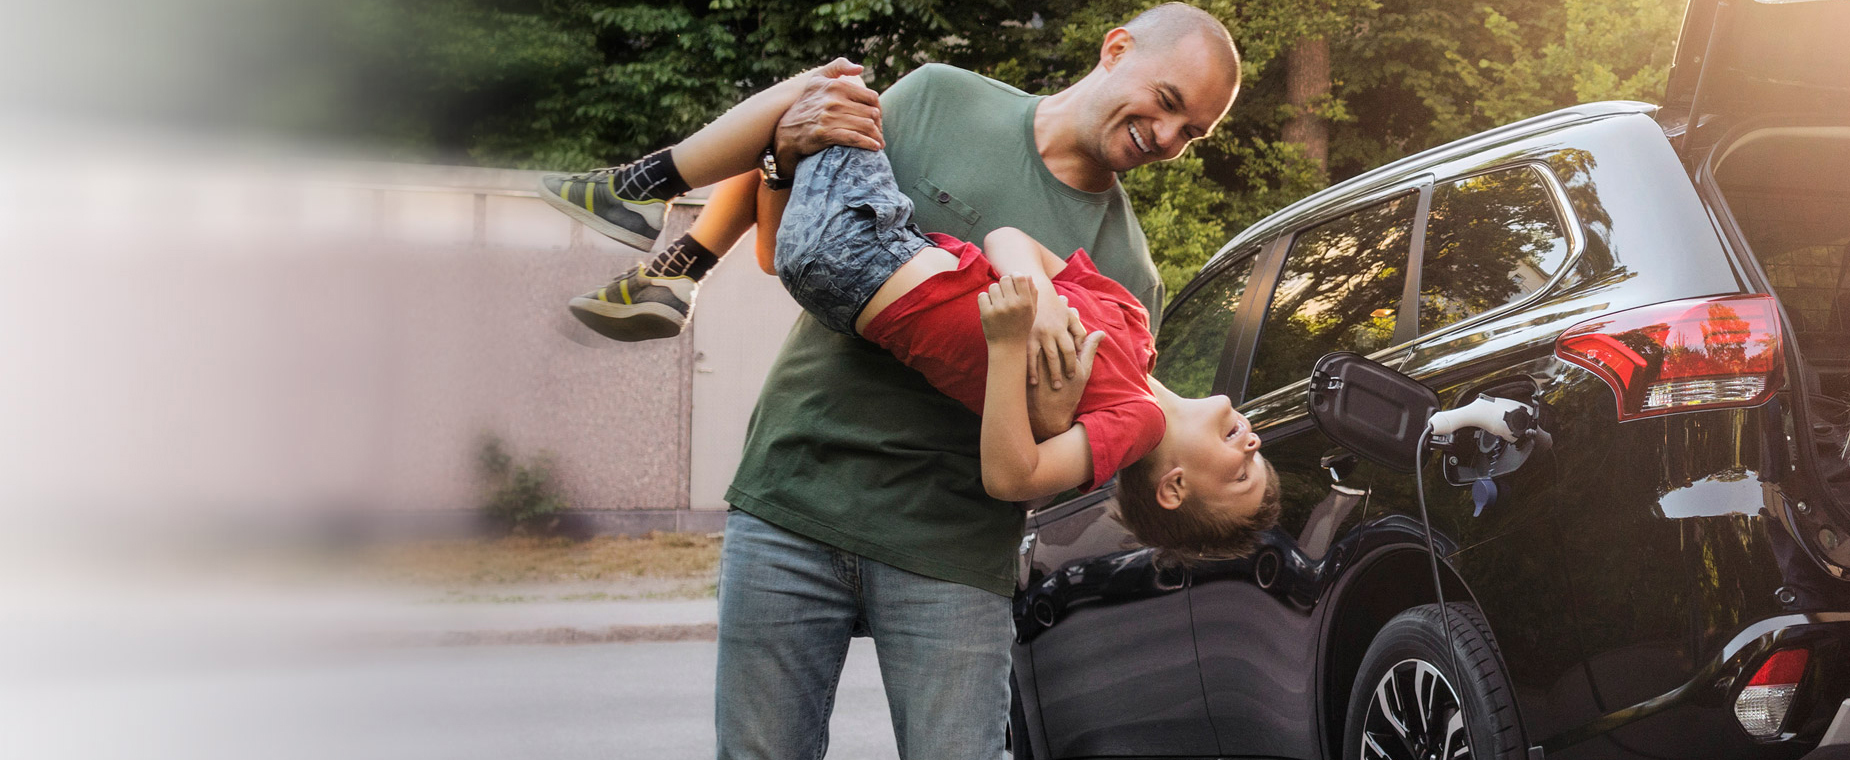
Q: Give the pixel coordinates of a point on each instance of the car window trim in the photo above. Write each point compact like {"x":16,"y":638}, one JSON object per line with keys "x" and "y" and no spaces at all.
{"x":1237,"y":362}
{"x":1214,"y":268}
{"x":1407,"y":326}
{"x":1570,"y":226}
{"x":1273,"y":263}
{"x":1576,"y":242}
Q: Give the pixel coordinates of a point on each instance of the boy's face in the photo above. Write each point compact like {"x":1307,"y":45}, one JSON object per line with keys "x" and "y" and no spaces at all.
{"x":1219,"y":455}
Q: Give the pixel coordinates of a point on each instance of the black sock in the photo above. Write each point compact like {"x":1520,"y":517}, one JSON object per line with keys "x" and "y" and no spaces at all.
{"x":683,"y":257}
{"x":650,"y":178}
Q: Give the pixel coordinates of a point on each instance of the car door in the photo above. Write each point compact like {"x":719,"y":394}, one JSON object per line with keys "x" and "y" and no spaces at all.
{"x":1334,"y":285}
{"x":1109,"y":644}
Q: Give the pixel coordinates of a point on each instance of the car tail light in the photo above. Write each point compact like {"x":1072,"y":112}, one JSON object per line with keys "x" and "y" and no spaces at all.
{"x":1762,"y":706}
{"x":1683,"y":355}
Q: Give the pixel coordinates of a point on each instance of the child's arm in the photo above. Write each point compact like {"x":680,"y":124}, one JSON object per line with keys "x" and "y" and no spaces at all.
{"x":770,"y":209}
{"x":1015,"y":468}
{"x":1053,"y":345}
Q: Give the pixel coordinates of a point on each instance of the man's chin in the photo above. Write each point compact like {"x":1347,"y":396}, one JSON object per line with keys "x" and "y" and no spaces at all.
{"x":1132,"y":162}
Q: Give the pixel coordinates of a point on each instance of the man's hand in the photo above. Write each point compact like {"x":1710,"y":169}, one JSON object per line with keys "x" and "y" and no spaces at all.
{"x":834,"y":109}
{"x":1053,"y":348}
{"x":1007,"y":310}
{"x":1050,"y":410}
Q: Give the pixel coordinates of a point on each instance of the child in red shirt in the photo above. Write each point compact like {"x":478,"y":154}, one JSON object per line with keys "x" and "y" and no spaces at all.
{"x":848,"y":253}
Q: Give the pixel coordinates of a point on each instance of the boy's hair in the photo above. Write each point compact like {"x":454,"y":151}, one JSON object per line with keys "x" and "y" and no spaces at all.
{"x":1191,"y":533}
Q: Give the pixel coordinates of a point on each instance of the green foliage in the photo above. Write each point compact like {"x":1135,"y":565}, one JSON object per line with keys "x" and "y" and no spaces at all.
{"x":1182,"y":215}
{"x":579,"y":83}
{"x":521,"y":494}
{"x":576,"y":83}
{"x":1429,"y":72}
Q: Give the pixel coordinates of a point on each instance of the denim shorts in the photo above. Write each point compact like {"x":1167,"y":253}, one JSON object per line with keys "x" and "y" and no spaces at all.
{"x":846,"y":229}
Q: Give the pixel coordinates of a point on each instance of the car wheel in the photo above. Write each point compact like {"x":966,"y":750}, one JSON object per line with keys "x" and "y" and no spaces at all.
{"x":1410,"y":703}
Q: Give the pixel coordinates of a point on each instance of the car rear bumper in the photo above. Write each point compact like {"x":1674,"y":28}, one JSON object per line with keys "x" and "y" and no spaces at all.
{"x":1820,"y":716}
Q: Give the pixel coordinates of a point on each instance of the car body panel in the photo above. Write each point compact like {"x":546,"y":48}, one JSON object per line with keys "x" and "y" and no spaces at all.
{"x":1109,"y":633}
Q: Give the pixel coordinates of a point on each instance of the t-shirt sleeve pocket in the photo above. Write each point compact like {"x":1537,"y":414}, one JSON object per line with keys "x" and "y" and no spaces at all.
{"x":940,"y":211}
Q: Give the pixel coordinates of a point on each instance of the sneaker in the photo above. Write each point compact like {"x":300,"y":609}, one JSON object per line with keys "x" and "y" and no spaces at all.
{"x":592,"y":198}
{"x":637,"y":306}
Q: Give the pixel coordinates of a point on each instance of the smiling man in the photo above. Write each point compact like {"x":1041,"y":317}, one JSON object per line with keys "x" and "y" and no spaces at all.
{"x":860,"y":508}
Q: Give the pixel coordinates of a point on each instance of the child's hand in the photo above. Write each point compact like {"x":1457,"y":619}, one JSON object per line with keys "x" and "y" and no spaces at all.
{"x":1055,"y":342}
{"x":1007,"y":310}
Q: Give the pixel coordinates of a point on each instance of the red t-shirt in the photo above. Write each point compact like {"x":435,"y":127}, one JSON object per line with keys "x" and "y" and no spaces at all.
{"x":936,"y":330}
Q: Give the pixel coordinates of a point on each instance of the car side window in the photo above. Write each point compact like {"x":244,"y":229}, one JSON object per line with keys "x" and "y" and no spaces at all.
{"x":1491,"y":239}
{"x":1188,"y":349}
{"x":1339,"y":290}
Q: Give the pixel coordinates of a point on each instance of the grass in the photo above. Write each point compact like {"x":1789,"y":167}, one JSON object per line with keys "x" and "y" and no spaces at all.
{"x":657,"y":565}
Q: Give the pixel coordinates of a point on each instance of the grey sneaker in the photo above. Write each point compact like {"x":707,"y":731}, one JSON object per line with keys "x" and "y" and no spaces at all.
{"x":592,"y":198}
{"x":637,"y":306}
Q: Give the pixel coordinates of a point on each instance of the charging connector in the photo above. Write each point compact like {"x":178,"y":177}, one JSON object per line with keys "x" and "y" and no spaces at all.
{"x":1504,"y":418}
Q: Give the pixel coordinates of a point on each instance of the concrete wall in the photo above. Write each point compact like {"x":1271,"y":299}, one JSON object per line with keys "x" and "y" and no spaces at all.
{"x":294,"y":338}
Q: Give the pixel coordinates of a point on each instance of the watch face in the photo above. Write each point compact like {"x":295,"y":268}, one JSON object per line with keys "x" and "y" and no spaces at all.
{"x":768,"y":168}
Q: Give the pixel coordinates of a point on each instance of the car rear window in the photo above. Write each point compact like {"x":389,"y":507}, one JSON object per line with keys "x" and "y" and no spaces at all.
{"x":1491,"y":239}
{"x":1340,"y":287}
{"x":1194,"y":334}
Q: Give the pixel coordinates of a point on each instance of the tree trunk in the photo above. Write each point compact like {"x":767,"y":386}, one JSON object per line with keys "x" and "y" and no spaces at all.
{"x":1307,"y":83}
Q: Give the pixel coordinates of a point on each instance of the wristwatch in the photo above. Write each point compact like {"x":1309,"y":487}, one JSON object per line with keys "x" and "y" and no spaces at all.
{"x":768,"y":167}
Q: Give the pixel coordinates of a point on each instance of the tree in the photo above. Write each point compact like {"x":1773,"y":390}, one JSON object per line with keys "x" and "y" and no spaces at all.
{"x":1331,"y":88}
{"x":577,"y":83}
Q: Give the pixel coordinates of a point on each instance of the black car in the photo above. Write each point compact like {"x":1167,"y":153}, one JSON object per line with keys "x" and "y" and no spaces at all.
{"x":1668,"y":289}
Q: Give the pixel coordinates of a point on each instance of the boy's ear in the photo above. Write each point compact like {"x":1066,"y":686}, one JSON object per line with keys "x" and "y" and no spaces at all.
{"x":1170,"y":491}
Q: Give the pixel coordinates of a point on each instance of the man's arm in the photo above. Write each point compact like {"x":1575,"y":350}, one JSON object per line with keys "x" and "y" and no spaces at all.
{"x":1015,"y":468}
{"x":1056,"y":332}
{"x":828,"y":111}
{"x":832,"y":110}
{"x":1053,"y":347}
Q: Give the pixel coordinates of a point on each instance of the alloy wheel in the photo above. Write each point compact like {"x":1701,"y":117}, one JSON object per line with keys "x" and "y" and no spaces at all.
{"x":1414,"y":714}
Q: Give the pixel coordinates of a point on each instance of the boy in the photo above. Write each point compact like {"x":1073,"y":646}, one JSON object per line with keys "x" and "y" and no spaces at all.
{"x":847,"y":252}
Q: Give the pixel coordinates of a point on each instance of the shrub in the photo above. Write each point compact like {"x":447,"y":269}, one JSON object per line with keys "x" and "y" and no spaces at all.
{"x":523,"y":495}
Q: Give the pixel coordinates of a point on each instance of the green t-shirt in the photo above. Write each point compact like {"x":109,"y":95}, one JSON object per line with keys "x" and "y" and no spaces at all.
{"x":849,"y":447}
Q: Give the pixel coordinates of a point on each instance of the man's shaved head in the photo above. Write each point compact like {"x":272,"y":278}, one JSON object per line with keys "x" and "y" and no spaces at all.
{"x":1158,"y":30}
{"x":1163,"y":80}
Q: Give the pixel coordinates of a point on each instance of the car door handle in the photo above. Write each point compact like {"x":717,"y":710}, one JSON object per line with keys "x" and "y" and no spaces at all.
{"x":1339,"y":462}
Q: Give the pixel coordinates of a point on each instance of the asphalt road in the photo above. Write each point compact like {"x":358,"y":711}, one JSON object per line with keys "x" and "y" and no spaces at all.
{"x":603,"y":701}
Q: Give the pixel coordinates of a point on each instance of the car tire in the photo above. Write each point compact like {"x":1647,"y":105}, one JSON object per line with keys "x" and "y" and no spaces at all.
{"x":1408,"y":682}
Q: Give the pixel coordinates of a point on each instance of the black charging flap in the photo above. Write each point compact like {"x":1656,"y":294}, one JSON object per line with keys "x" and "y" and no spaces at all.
{"x":1367,"y":408}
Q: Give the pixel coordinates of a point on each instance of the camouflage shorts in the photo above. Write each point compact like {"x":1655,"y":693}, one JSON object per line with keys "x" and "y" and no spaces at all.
{"x":846,"y":229}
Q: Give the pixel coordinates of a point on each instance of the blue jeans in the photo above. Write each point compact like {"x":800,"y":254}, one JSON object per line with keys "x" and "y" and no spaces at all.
{"x":787,"y":608}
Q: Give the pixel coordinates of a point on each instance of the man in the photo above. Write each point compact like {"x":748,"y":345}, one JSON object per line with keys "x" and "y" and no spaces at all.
{"x":859,"y":508}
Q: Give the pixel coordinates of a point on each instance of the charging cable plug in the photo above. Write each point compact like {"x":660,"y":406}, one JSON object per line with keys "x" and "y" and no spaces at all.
{"x":1504,"y":418}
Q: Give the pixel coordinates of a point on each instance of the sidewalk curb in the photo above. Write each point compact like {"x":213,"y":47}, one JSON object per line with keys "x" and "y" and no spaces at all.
{"x":615,"y":634}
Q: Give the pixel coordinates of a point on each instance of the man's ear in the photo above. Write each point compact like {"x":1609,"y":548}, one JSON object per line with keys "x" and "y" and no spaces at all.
{"x":1118,"y":43}
{"x":1170,"y":491}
